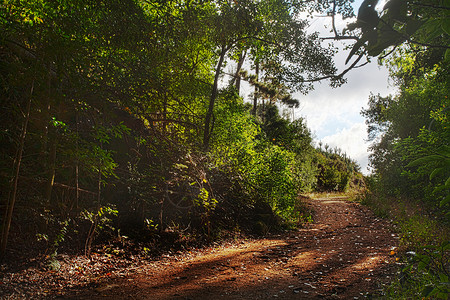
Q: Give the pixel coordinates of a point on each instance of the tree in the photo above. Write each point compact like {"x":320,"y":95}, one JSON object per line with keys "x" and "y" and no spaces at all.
{"x":406,"y":126}
{"x":275,"y":35}
{"x":424,"y":23}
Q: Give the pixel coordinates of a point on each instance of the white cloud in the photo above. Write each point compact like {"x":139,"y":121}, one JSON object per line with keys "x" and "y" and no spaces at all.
{"x":326,"y":104}
{"x":351,"y":141}
{"x":333,"y":115}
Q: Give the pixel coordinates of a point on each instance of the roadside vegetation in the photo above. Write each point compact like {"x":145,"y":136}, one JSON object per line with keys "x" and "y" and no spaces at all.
{"x":410,"y":134}
{"x":411,"y":167}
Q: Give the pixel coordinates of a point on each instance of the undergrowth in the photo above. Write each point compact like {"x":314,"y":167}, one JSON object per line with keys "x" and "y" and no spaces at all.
{"x":424,"y":248}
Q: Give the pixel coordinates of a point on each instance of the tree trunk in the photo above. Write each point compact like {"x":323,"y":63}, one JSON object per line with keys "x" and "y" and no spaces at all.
{"x":77,"y":164}
{"x":13,"y":192}
{"x":236,"y":78}
{"x":212,"y":100}
{"x":51,"y":171}
{"x":255,"y":96}
{"x":94,"y":221}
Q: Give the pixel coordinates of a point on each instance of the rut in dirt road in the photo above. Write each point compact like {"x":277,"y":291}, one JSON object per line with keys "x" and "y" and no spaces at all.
{"x":344,"y":254}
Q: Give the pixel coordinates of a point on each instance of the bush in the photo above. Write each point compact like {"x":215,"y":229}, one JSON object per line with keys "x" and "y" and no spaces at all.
{"x":265,"y":171}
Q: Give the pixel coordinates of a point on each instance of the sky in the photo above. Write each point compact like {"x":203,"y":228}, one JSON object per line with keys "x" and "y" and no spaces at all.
{"x":333,"y":115}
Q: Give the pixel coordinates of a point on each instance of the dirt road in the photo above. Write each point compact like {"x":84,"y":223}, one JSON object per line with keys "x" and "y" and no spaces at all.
{"x":347,"y":253}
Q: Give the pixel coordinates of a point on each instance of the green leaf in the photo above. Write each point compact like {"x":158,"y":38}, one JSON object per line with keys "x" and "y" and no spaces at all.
{"x":397,"y":9}
{"x":424,"y":160}
{"x":439,"y":188}
{"x":435,"y":172}
{"x":432,"y":28}
{"x":445,"y":200}
{"x":444,"y":151}
{"x":407,"y":268}
{"x":367,"y":15}
{"x":434,"y":292}
{"x":446,"y":246}
{"x":352,"y":26}
{"x":427,"y":290}
{"x":443,"y":277}
{"x":412,"y":26}
{"x":446,"y":25}
{"x":355,"y":48}
{"x":382,"y":42}
{"x":421,"y":266}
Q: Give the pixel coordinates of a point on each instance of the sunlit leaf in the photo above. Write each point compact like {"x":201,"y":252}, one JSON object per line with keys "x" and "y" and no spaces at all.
{"x":424,"y":160}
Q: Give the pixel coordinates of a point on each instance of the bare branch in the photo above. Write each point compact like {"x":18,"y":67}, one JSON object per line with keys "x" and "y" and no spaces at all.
{"x":352,"y":66}
{"x":337,"y":36}
{"x":341,"y":37}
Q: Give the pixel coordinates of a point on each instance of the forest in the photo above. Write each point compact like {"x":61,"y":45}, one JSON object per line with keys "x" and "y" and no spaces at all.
{"x":122,"y":124}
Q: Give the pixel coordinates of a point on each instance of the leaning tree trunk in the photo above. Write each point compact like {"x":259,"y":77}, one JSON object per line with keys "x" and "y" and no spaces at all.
{"x":212,"y":100}
{"x":13,"y":191}
{"x":255,"y":96}
{"x":237,"y":78}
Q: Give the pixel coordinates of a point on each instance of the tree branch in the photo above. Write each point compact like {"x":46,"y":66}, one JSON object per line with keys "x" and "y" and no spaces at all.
{"x":333,"y":23}
{"x":430,"y":5}
{"x":352,"y":66}
{"x":389,"y":53}
{"x":341,"y":37}
{"x":337,"y":36}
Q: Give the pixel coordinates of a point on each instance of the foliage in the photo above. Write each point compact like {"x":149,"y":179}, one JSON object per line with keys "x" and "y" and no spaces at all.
{"x":410,"y":145}
{"x":435,"y":261}
{"x":294,"y":137}
{"x":422,"y":241}
{"x":337,"y":171}
{"x":411,"y":125}
{"x":100,"y":221}
{"x":425,"y":23}
{"x":441,"y":162}
{"x":264,"y":170}
{"x":273,"y":180}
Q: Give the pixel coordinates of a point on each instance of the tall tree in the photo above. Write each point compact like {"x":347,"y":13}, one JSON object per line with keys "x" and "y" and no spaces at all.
{"x":399,"y":124}
{"x":274,"y":32}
